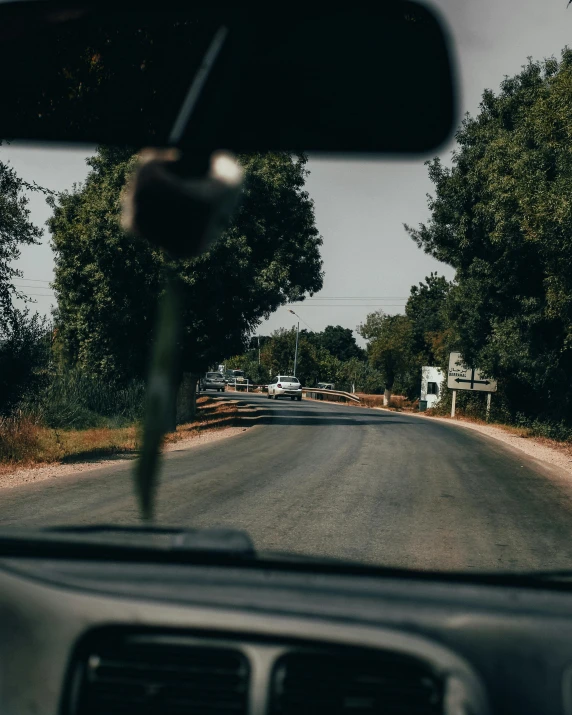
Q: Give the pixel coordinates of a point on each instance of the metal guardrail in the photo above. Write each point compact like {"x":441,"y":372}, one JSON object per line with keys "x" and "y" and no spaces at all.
{"x":326,"y":394}
{"x":238,"y":385}
{"x":319,"y":394}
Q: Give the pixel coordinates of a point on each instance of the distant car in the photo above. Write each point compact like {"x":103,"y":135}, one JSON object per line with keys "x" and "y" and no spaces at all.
{"x":326,"y":385}
{"x":213,"y":381}
{"x":235,"y":377}
{"x":286,"y":385}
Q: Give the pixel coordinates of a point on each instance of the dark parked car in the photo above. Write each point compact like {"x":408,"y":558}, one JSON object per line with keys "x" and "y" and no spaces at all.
{"x":213,"y":381}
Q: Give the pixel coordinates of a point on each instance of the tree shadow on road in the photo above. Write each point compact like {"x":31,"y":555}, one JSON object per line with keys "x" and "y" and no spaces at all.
{"x":304,"y":419}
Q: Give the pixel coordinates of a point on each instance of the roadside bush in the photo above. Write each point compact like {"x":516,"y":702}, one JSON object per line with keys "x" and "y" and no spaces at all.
{"x":25,"y":343}
{"x":474,"y":406}
{"x":19,"y":438}
{"x":559,"y":431}
{"x":74,"y":400}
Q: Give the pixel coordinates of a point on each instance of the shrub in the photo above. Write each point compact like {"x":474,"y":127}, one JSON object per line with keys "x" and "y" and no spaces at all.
{"x":24,"y":357}
{"x":74,"y":400}
{"x":19,"y":438}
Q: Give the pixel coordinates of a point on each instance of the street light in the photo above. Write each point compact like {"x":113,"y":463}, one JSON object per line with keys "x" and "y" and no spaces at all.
{"x":297,"y":333}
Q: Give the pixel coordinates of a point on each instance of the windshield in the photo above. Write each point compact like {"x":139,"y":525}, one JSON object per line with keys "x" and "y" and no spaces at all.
{"x":431,"y":294}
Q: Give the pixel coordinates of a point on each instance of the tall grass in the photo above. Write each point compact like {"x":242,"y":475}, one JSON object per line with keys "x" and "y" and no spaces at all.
{"x":24,"y":441}
{"x":19,"y":438}
{"x":73,"y":400}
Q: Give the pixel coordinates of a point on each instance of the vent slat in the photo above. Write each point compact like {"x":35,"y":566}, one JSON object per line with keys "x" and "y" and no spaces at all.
{"x":354,"y":683}
{"x":120,"y":676}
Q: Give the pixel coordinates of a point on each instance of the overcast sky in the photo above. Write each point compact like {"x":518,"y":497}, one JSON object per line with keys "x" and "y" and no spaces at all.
{"x":360,"y":206}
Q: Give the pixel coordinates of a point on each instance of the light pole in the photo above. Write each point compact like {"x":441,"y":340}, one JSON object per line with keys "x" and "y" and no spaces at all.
{"x":297,"y":333}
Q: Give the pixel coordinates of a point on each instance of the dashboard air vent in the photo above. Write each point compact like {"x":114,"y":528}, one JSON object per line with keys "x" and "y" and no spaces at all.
{"x":354,"y":682}
{"x":159,"y":676}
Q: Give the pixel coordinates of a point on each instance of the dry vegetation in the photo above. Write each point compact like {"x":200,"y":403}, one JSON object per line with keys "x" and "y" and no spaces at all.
{"x":24,"y":442}
{"x":565,"y":447}
{"x":398,"y":403}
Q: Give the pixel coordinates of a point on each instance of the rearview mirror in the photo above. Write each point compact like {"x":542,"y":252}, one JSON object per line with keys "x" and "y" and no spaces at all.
{"x":353,"y":80}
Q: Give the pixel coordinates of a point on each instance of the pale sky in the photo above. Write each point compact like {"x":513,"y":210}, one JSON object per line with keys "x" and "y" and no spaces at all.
{"x":360,"y":205}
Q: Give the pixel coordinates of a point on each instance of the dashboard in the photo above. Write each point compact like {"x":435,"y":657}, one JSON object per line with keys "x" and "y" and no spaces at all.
{"x":81,"y":637}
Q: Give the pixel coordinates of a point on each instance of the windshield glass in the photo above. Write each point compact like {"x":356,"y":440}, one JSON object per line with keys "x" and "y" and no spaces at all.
{"x":431,"y":294}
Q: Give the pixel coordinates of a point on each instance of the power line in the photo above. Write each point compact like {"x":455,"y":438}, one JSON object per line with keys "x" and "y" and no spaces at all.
{"x":366,"y":297}
{"x":351,"y":305}
{"x":40,"y":295}
{"x":32,"y":280}
{"x":20,"y":285}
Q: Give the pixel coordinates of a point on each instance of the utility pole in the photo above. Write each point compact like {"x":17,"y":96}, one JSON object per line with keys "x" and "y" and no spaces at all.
{"x":297,"y":333}
{"x":296,"y":351}
{"x":259,"y":349}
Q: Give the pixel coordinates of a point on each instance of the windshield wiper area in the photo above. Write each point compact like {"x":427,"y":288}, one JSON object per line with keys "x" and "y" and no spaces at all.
{"x":129,"y":542}
{"x":213,"y":539}
{"x":227,"y":547}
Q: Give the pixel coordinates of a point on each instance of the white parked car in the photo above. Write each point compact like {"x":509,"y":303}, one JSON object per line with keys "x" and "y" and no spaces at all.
{"x":286,"y":385}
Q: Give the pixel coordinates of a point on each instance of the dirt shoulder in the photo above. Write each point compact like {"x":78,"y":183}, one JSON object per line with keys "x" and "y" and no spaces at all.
{"x":40,"y":473}
{"x":555,"y":454}
{"x":88,"y":450}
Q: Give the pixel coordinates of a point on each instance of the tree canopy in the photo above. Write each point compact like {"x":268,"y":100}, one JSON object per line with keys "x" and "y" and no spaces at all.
{"x":426,"y":310}
{"x":389,"y":346}
{"x":16,"y":230}
{"x":501,"y":215}
{"x":107,"y":282}
{"x":399,"y":345}
{"x":341,"y":343}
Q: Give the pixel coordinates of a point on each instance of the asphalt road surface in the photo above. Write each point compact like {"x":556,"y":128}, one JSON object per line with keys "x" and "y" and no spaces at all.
{"x":342,"y":481}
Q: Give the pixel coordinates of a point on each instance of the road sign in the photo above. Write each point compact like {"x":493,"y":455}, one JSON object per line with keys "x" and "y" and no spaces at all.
{"x":461,"y":377}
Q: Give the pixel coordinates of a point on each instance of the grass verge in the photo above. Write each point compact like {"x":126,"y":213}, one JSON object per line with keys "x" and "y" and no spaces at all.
{"x":24,"y":442}
{"x":399,"y":403}
{"x":561,"y":445}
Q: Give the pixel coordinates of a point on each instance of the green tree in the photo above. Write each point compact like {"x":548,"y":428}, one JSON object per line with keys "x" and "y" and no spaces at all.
{"x":340,"y":342}
{"x":373,"y":325}
{"x":389,"y":345}
{"x":502,"y":217}
{"x":278,"y":356}
{"x":107,"y":282}
{"x":16,"y":230}
{"x":256,"y":372}
{"x":426,"y":308}
{"x":25,"y":349}
{"x":315,"y":363}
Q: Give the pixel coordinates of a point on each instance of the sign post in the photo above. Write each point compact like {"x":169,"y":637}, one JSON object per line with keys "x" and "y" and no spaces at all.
{"x":461,"y":377}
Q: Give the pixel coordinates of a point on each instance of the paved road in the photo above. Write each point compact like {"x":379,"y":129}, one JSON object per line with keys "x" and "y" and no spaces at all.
{"x":349,"y":482}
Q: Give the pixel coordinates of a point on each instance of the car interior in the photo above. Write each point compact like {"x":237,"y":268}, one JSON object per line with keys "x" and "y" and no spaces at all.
{"x":105,"y":619}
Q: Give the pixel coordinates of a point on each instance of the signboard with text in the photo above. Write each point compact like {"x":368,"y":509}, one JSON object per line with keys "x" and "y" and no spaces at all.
{"x":461,"y":377}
